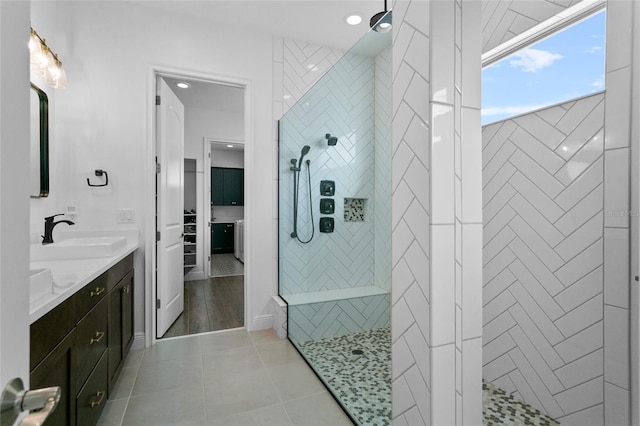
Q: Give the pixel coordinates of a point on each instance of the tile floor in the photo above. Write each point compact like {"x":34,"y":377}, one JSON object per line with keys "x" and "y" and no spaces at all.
{"x":357,"y":368}
{"x":500,"y":408}
{"x":225,"y":264}
{"x":224,"y":378}
{"x":210,"y":305}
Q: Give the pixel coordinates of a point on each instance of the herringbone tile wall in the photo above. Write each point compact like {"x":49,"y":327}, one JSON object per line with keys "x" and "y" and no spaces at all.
{"x":341,"y":103}
{"x":335,"y":318}
{"x":543,"y":257}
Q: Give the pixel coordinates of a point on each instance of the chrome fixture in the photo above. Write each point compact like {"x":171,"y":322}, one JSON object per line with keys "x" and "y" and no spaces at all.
{"x":15,"y":400}
{"x":49,"y":224}
{"x":296,"y":167}
{"x":381,"y":21}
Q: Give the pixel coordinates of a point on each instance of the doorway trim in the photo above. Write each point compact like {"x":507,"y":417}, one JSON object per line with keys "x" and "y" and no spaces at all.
{"x":150,"y":258}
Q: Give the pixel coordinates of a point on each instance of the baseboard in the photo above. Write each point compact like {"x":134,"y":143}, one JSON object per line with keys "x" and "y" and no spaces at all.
{"x":138,"y":341}
{"x":262,"y":322}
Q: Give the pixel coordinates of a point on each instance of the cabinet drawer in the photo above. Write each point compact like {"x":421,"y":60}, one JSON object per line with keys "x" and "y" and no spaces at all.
{"x":90,"y":295}
{"x":91,"y":341}
{"x":118,"y":271}
{"x":49,"y":330}
{"x":93,"y":396}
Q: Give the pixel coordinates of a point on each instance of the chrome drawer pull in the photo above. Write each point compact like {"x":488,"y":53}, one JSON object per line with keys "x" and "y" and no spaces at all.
{"x":97,"y":338}
{"x":98,"y":291}
{"x":99,"y":394}
{"x":125,"y":289}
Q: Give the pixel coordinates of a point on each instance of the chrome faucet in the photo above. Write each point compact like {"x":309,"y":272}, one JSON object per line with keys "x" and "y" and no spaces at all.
{"x":49,"y":224}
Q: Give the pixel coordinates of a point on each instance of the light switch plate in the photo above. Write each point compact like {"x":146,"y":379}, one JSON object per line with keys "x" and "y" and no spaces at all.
{"x":126,"y":216}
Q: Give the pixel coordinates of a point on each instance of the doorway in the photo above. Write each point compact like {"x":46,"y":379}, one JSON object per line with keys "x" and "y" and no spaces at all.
{"x":213,"y":110}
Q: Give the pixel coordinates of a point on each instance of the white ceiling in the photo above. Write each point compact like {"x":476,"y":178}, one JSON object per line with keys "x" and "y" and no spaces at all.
{"x":207,"y":95}
{"x":322,"y":22}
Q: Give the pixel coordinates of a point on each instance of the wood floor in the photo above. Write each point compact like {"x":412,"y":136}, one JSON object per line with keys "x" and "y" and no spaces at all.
{"x":210,"y":305}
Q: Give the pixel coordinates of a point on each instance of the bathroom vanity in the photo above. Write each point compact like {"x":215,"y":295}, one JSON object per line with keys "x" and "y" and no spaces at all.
{"x":81,"y":343}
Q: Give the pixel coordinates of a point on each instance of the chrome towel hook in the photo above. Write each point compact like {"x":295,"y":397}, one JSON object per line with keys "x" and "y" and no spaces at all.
{"x":100,"y":173}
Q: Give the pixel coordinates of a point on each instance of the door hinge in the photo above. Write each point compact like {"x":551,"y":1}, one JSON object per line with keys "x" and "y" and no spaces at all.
{"x":157,"y":235}
{"x":209,"y":259}
{"x":157,"y":303}
{"x":157,"y":99}
{"x":157,"y":167}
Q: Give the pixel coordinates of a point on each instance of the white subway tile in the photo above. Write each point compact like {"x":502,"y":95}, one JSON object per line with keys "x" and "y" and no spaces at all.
{"x":616,"y":188}
{"x":442,"y":165}
{"x":472,"y":382}
{"x":619,"y":34}
{"x":617,"y":407}
{"x":472,"y":280}
{"x":442,"y":51}
{"x":471,"y":166}
{"x":618,"y":108}
{"x":616,"y":267}
{"x":443,"y":386}
{"x":442,"y":285}
{"x":616,"y":346}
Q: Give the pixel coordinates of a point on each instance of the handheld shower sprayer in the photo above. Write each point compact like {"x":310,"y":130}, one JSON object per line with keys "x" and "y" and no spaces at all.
{"x":296,"y":167}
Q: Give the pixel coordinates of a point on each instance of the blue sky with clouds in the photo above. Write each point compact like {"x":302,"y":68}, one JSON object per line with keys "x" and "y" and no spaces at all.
{"x":567,"y":65}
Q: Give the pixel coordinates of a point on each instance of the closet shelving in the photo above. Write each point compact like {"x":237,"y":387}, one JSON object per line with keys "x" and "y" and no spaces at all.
{"x":189,"y":240}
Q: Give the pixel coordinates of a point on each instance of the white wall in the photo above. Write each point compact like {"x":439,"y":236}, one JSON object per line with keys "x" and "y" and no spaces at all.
{"x":108,"y":49}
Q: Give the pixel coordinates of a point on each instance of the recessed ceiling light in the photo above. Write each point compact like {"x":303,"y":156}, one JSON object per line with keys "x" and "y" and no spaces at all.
{"x":353,"y":19}
{"x":229,"y":146}
{"x":183,"y":85}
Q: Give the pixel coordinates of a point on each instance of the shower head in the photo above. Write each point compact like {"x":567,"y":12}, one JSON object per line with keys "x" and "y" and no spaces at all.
{"x":331,"y":140}
{"x":303,"y":152}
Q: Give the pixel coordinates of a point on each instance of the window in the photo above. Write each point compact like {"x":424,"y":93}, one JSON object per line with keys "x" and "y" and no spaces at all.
{"x":566,"y":65}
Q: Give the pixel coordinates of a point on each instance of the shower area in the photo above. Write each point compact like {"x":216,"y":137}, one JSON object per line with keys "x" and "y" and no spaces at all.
{"x":335,"y":227}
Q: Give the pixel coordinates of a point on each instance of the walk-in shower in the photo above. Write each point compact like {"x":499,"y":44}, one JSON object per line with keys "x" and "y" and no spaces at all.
{"x":337,"y":283}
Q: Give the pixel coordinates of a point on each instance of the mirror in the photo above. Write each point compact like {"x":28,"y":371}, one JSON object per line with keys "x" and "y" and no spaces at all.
{"x":39,"y":186}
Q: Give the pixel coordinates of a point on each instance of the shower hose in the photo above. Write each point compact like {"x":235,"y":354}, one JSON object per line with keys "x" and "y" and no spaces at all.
{"x":296,"y":184}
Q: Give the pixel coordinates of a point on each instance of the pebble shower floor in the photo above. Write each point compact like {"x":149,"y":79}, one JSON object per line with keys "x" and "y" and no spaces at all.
{"x":357,"y":368}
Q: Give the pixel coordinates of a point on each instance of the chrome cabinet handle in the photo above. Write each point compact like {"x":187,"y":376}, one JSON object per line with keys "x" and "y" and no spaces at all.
{"x":98,"y":291}
{"x":125,"y":289}
{"x":96,"y":339}
{"x":99,"y":394}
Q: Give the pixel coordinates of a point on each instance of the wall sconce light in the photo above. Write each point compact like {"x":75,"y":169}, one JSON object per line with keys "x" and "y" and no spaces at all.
{"x":44,"y":63}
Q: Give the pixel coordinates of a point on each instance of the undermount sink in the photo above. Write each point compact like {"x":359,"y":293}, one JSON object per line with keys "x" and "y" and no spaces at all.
{"x":40,"y":283}
{"x":79,"y":248}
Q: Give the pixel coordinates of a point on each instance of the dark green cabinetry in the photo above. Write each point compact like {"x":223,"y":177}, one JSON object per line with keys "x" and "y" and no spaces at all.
{"x":227,"y":186}
{"x":81,"y":344}
{"x":222,"y":238}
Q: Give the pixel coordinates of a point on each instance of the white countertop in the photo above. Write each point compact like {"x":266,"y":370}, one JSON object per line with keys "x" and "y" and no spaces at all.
{"x":75,"y":273}
{"x":226,"y":219}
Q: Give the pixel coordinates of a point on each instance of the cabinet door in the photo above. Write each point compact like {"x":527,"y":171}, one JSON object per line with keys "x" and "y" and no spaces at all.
{"x":233,"y":187}
{"x":217,"y":238}
{"x":57,"y":369}
{"x":228,"y":238}
{"x":120,"y":326}
{"x":217,"y":186}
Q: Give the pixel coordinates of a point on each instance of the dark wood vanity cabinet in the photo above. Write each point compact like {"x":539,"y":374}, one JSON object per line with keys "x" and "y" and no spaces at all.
{"x":81,"y":344}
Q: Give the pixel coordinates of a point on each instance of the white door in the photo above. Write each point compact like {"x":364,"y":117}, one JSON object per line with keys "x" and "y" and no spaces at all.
{"x":170,"y":220}
{"x":14,"y":208}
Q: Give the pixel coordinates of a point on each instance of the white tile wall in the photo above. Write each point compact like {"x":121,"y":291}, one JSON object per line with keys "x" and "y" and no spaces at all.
{"x":436,"y":170}
{"x":617,"y":206}
{"x":544,"y":295}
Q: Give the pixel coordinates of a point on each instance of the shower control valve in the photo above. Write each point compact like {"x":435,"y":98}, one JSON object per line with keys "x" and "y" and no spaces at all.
{"x":327,"y":187}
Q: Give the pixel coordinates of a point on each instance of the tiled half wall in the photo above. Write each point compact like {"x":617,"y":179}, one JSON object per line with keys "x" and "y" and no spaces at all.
{"x":543,"y":239}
